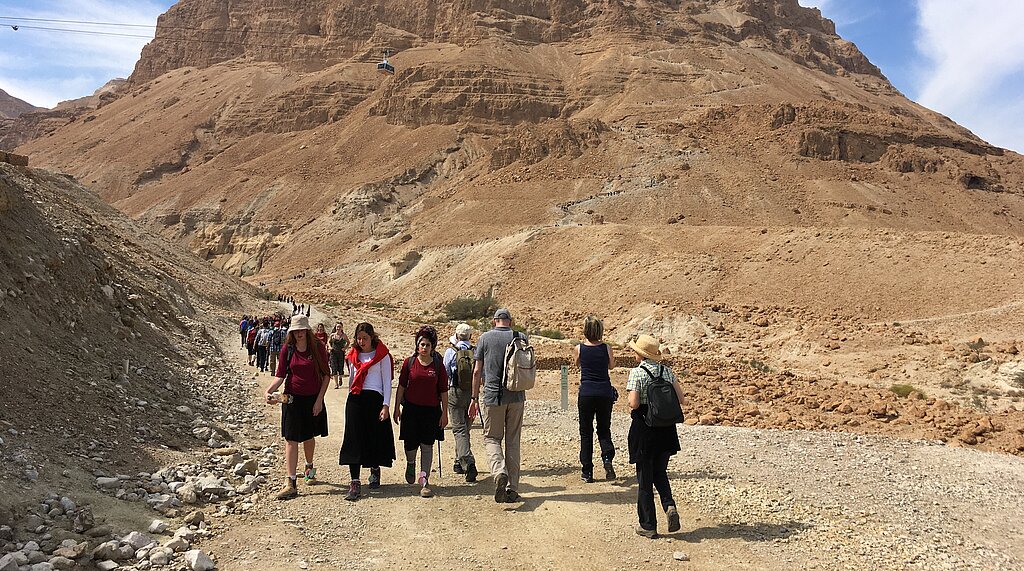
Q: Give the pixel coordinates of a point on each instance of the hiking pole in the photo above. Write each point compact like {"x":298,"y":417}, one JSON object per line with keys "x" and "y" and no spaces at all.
{"x":440,"y":461}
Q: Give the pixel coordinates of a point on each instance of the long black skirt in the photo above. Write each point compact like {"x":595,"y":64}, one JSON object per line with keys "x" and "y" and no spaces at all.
{"x":297,"y":421}
{"x":646,"y":442}
{"x":420,"y":425}
{"x":369,"y":441}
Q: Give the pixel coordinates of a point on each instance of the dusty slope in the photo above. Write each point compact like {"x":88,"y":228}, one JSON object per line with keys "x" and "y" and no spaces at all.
{"x":85,"y":291}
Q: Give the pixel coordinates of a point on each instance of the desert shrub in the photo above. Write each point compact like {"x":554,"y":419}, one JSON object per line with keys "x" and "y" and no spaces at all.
{"x":977,"y":345}
{"x":1018,"y":379}
{"x":757,"y":365}
{"x":903,"y":390}
{"x":470,"y":307}
{"x":551,"y":334}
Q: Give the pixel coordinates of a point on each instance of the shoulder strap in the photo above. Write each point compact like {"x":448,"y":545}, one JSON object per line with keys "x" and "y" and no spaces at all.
{"x":288,"y":366}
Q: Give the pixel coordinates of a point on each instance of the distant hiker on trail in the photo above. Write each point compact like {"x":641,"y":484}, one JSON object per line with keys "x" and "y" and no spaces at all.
{"x":502,"y":408}
{"x":339,"y":342}
{"x":295,"y":308}
{"x":369,"y":440}
{"x":263,"y":346}
{"x":243,"y":328}
{"x":458,"y":363}
{"x":596,"y":398}
{"x":250,"y":341}
{"x":421,"y":407}
{"x":303,"y":371}
{"x":321,"y":333}
{"x":277,"y":335}
{"x":650,"y":447}
{"x":308,"y":310}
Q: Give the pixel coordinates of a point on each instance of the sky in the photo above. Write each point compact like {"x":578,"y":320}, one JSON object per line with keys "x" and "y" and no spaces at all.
{"x":962,"y":58}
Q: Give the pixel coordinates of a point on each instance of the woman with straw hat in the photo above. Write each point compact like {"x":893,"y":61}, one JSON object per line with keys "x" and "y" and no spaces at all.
{"x":651,"y":447}
{"x":302,"y":369}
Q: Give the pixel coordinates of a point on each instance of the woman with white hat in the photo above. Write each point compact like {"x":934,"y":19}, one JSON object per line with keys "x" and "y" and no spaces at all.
{"x":651,"y":447}
{"x":302,"y":368}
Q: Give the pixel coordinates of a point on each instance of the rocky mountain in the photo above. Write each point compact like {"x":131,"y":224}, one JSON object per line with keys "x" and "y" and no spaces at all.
{"x":39,"y":122}
{"x":628,"y":157}
{"x":11,"y":107}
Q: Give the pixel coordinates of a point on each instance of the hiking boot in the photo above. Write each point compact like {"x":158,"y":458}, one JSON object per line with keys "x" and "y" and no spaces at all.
{"x":648,"y":533}
{"x":289,"y":490}
{"x":309,"y":476}
{"x":354,"y":492}
{"x":609,"y":471}
{"x":511,"y":496}
{"x":410,"y":473}
{"x":471,"y":473}
{"x":673,"y":518}
{"x":374,"y":477}
{"x":425,"y":491}
{"x":457,"y":468}
{"x":587,"y":477}
{"x":500,"y":491}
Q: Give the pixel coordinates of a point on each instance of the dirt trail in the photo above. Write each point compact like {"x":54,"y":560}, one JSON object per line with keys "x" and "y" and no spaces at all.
{"x":749,"y":499}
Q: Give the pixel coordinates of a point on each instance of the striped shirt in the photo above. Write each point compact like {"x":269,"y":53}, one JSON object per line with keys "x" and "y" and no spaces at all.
{"x":638,"y":379}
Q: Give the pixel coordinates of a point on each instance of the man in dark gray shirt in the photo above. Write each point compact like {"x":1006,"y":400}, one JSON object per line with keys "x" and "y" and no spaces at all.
{"x":502,"y":409}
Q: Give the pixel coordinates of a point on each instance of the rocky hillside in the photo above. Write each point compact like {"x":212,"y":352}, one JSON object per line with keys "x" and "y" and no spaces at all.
{"x":103,"y":325}
{"x":641,"y":160}
{"x":11,"y":107}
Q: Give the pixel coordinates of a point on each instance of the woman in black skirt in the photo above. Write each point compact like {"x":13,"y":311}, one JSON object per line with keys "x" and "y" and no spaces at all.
{"x":369,"y":440}
{"x":651,"y":447}
{"x":302,"y":368}
{"x":421,"y":407}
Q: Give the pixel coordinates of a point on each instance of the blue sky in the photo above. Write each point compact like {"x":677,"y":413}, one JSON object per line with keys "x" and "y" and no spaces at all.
{"x":962,"y":58}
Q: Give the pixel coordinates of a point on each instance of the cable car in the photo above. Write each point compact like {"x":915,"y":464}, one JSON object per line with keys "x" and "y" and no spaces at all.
{"x":384,"y":66}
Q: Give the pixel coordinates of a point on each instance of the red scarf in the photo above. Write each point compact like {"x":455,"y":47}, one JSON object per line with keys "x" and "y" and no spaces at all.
{"x":363,"y":368}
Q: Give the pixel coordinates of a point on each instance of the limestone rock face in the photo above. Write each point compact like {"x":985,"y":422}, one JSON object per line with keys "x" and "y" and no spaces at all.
{"x":510,"y":130}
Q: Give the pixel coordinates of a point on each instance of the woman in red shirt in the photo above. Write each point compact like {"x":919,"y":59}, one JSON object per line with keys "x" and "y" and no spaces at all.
{"x":321,"y":333}
{"x":302,"y":368}
{"x":421,"y":406}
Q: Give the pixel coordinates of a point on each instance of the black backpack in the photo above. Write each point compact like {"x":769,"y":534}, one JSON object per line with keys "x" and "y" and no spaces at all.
{"x":662,"y":402}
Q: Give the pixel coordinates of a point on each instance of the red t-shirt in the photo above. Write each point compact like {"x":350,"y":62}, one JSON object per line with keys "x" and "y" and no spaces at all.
{"x":303,"y":380}
{"x":422,"y":384}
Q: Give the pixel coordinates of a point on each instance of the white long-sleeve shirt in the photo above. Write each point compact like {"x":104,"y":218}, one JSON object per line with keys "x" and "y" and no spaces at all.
{"x":378,"y":378}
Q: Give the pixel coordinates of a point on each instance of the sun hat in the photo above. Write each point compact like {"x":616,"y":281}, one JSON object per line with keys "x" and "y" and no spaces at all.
{"x":503,"y":313}
{"x":647,"y":346}
{"x":462,"y":331}
{"x":299,"y":322}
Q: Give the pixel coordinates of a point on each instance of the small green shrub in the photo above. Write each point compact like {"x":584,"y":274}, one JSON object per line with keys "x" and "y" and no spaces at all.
{"x":470,"y":307}
{"x":903,"y":390}
{"x":519,"y":328}
{"x":757,"y":365}
{"x":551,"y":334}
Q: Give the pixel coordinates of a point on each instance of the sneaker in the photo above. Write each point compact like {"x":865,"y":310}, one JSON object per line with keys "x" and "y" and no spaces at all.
{"x":374,"y":477}
{"x":587,"y":477}
{"x":673,"y":518}
{"x":511,"y":496}
{"x":609,"y":471}
{"x":648,"y":533}
{"x":500,"y":493}
{"x":457,"y":468}
{"x":289,"y":490}
{"x":425,"y":491}
{"x":353,"y":492}
{"x":471,"y":473}
{"x":410,"y":472}
{"x":309,"y":476}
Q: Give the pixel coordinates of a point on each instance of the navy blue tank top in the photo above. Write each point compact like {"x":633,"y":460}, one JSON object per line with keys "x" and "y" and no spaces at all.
{"x":594,"y":378}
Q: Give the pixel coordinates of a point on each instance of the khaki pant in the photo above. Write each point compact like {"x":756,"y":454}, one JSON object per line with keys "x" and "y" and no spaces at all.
{"x":458,"y":414}
{"x":504,"y":422}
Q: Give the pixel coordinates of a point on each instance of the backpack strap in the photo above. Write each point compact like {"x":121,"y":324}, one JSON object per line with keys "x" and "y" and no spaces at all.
{"x":288,"y":367}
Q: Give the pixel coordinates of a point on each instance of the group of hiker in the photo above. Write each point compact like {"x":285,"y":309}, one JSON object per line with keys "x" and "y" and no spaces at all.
{"x":435,"y":391}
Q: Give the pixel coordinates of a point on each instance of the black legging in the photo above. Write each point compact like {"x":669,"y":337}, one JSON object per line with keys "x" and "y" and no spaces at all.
{"x":589,"y":407}
{"x":652,"y":473}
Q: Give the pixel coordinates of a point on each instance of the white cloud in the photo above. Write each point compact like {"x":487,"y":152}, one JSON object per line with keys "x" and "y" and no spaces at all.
{"x":45,"y":67}
{"x":976,"y":65}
